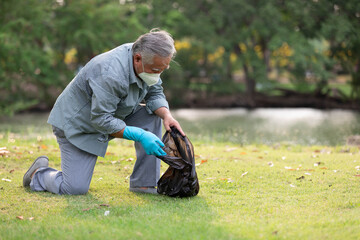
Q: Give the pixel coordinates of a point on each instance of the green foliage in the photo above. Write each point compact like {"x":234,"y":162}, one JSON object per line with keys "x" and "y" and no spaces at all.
{"x":37,"y":39}
{"x":342,"y":29}
{"x":44,"y":43}
{"x":26,"y":65}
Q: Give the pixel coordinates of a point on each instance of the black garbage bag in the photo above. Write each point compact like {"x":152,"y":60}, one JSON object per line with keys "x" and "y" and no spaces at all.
{"x":180,"y":179}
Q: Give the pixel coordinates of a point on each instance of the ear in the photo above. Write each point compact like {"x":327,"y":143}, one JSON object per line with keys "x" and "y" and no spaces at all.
{"x":137,"y":58}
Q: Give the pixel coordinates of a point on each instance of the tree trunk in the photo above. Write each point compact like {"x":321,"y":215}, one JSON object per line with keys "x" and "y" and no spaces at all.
{"x":228,"y":67}
{"x":250,"y":87}
{"x":355,"y":81}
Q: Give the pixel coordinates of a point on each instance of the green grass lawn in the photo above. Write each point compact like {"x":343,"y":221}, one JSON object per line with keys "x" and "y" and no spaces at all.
{"x":246,"y":192}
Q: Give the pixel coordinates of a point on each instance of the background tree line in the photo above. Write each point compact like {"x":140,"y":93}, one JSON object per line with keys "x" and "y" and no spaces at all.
{"x":244,"y":49}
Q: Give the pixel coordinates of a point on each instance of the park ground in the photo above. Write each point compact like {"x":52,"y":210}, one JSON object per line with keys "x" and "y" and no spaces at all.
{"x":277,"y":191}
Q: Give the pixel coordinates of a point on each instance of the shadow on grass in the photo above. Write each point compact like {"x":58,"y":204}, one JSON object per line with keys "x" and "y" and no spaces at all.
{"x":140,"y":215}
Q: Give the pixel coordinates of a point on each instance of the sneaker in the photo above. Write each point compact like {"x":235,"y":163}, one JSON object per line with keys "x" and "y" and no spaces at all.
{"x":40,"y":162}
{"x":151,"y":190}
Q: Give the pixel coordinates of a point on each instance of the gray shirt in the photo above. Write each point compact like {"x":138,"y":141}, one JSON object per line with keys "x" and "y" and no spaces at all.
{"x":98,"y":99}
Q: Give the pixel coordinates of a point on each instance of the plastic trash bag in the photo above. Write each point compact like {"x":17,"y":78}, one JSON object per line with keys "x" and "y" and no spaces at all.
{"x":180,"y":179}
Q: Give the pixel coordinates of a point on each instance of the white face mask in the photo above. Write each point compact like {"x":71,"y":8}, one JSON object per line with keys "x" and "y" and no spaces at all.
{"x":149,"y":78}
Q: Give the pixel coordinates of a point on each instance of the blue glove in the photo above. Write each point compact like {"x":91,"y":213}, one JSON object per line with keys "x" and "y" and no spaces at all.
{"x":151,"y":143}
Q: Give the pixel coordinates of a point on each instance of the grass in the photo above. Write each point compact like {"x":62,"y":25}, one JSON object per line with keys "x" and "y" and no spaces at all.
{"x":246,"y":192}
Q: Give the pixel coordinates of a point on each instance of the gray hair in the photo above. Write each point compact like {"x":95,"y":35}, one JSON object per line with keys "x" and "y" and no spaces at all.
{"x":156,"y":42}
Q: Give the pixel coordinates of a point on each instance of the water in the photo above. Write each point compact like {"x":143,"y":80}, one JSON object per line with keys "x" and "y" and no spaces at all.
{"x":268,"y":126}
{"x":261,"y":126}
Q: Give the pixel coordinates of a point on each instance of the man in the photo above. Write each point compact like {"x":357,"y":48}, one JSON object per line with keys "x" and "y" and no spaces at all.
{"x":102,"y":102}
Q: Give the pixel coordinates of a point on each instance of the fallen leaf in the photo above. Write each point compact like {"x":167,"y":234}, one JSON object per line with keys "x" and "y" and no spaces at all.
{"x":323,"y":168}
{"x":20,"y":217}
{"x":243,"y":153}
{"x":44,"y":146}
{"x":3,"y":151}
{"x":12,"y":170}
{"x":323,"y":151}
{"x":230,"y":149}
{"x":357,"y":175}
{"x":86,"y":209}
{"x":300,"y":178}
{"x":203,"y":161}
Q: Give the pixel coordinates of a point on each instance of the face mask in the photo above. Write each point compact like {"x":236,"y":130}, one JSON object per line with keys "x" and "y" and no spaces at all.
{"x":149,"y":78}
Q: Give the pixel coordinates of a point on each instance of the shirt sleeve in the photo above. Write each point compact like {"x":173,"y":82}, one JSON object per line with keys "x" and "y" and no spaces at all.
{"x":155,"y":98}
{"x":107,"y":92}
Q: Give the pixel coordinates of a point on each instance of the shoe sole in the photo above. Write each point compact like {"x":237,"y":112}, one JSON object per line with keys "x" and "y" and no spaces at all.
{"x":39,"y":162}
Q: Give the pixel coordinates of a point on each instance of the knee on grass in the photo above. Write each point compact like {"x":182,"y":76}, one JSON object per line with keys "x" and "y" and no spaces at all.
{"x":75,"y":190}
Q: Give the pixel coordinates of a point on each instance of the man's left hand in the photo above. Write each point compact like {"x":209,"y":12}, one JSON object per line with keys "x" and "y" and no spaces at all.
{"x":168,"y":119}
{"x":171,"y":122}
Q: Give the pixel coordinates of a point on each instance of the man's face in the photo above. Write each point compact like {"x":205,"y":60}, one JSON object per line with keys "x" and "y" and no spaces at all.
{"x":158,"y":65}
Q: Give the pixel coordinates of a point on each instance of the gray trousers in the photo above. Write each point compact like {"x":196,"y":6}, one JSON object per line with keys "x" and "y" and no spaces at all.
{"x":78,"y":166}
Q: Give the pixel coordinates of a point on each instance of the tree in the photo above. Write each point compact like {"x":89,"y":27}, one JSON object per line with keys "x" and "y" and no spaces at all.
{"x":341,"y":28}
{"x":45,"y":42}
{"x":26,"y":59}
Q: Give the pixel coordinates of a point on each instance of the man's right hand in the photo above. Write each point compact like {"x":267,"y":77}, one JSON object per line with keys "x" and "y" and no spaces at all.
{"x":151,"y":143}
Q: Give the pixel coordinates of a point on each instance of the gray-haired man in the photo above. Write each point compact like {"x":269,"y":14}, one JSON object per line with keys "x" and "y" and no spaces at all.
{"x":102,"y":102}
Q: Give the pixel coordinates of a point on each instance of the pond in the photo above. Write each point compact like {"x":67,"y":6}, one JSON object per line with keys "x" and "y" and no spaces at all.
{"x":303,"y":126}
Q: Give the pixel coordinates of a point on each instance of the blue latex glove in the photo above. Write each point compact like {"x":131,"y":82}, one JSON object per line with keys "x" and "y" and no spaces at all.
{"x":151,"y":143}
